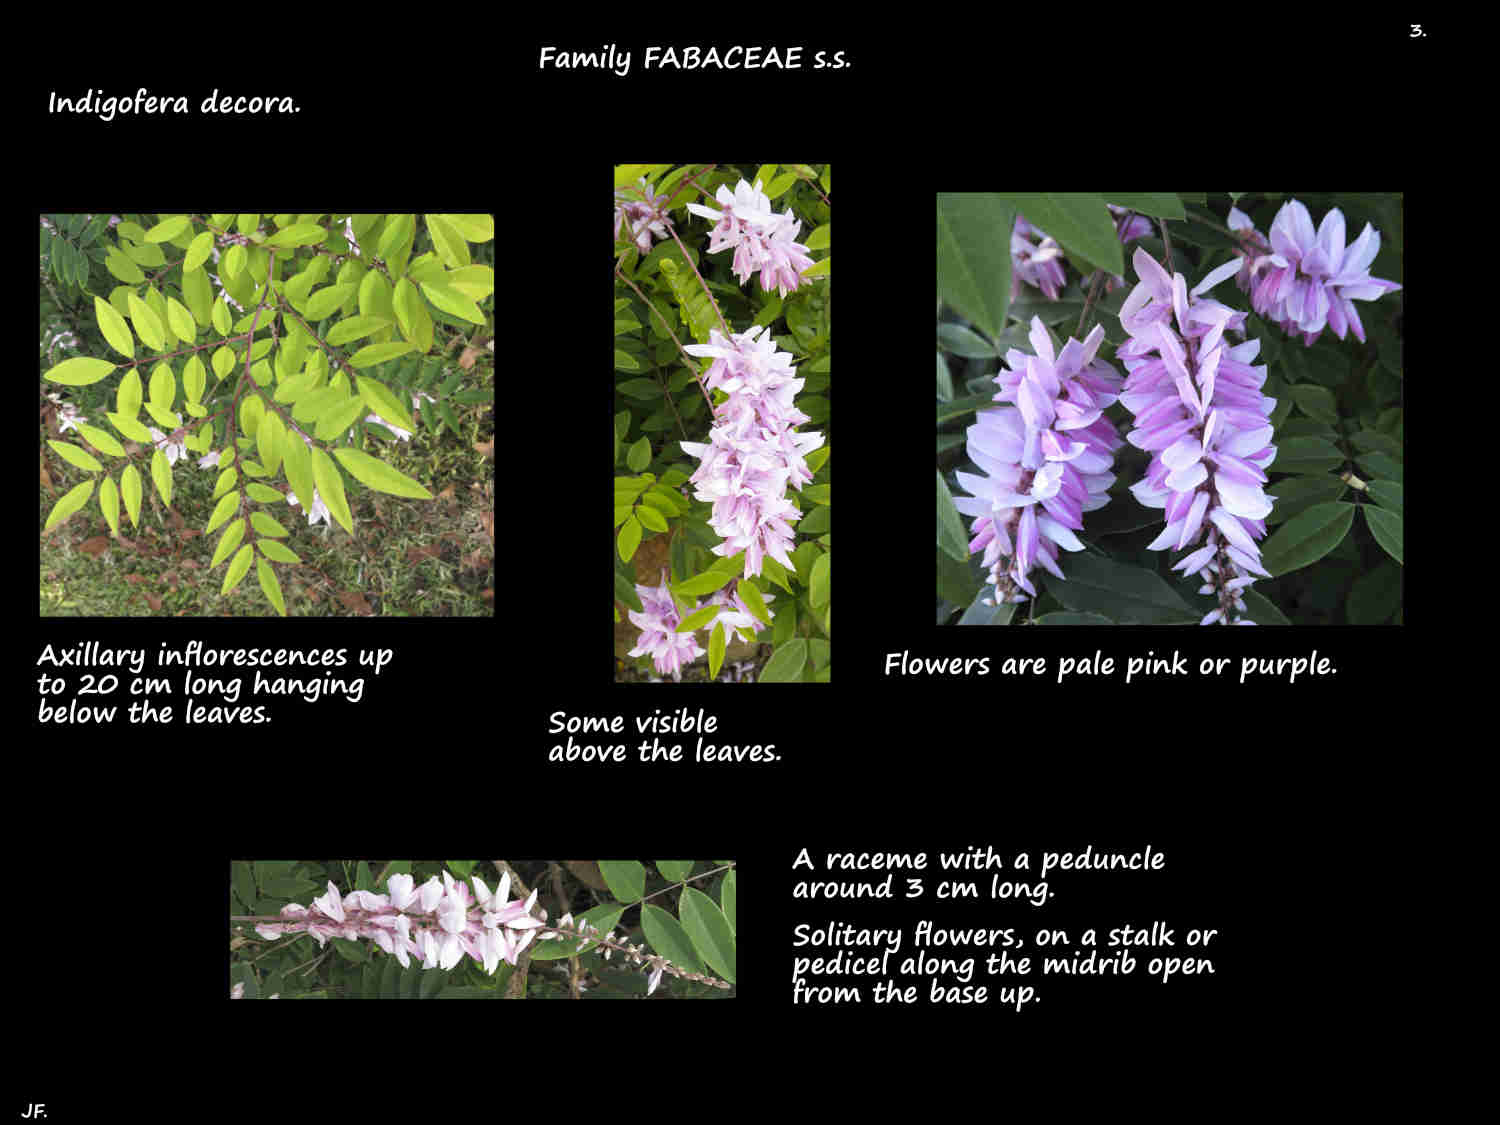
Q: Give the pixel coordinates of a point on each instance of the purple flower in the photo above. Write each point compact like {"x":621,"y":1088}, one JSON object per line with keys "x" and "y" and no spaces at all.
{"x":646,"y":217}
{"x":657,"y":620}
{"x":1047,"y":459}
{"x":1200,"y":414}
{"x":1307,"y":280}
{"x":736,"y":614}
{"x":762,"y":240}
{"x":1037,"y":264}
{"x":1128,"y":225}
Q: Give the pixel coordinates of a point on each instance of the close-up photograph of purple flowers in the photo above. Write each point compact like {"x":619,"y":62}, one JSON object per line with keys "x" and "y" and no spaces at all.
{"x":1169,"y":408}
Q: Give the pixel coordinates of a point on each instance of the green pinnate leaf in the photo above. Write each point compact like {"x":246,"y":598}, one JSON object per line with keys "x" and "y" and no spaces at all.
{"x":198,"y":253}
{"x":450,"y":245}
{"x":161,"y":474}
{"x":222,"y":511}
{"x":163,"y":418}
{"x":101,"y":440}
{"x":267,"y":526}
{"x":379,"y":353}
{"x":1388,"y":529}
{"x":74,"y":455}
{"x":333,"y":423}
{"x":302,"y":234}
{"x":114,"y":328}
{"x":474,"y":228}
{"x":228,"y":542}
{"x":123,"y":268}
{"x":278,"y":551}
{"x":326,"y":301}
{"x":354,"y":327}
{"x":296,"y":462}
{"x":194,"y":379}
{"x":130,"y":492}
{"x":626,"y":878}
{"x":750,"y":594}
{"x":717,"y":643}
{"x":666,"y":936}
{"x":109,"y":504}
{"x":232,"y":263}
{"x":452,"y":302}
{"x":168,"y":229}
{"x":376,"y":474}
{"x":70,"y":502}
{"x":128,"y":394}
{"x":163,"y":385}
{"x":709,"y":930}
{"x":79,"y":371}
{"x":384,"y":403}
{"x":330,"y":486}
{"x":148,"y":325}
{"x":264,"y":493}
{"x":268,"y":583}
{"x":128,"y":426}
{"x":238,"y":567}
{"x":181,"y":321}
{"x":629,"y":538}
{"x":269,"y":439}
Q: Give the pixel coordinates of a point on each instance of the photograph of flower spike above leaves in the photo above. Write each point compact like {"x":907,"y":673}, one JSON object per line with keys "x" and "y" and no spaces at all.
{"x":1169,"y":409}
{"x":723,"y":322}
{"x":609,"y":929}
{"x":305,"y":399}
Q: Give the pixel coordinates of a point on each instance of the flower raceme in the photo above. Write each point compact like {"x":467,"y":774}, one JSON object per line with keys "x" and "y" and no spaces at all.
{"x":762,"y":240}
{"x":1047,"y":459}
{"x":753,"y":451}
{"x":437,"y":922}
{"x":1307,"y":280}
{"x":1200,"y":414}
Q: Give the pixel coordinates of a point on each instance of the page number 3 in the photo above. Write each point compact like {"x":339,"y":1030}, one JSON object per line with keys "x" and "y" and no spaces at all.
{"x":1417,"y":32}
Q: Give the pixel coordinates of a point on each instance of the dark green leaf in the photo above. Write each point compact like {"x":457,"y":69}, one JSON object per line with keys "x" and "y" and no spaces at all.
{"x":1388,"y":530}
{"x":1307,"y":537}
{"x":1159,"y":204}
{"x":1306,"y":455}
{"x":786,"y":662}
{"x":950,"y":528}
{"x":958,"y":340}
{"x":1297,"y":494}
{"x":1316,"y":402}
{"x":973,"y":256}
{"x":1260,"y":610}
{"x":1375,"y":596}
{"x":1380,"y":465}
{"x":1078,"y":220}
{"x":947,"y":411}
{"x":1387,"y":494}
{"x":1128,"y":594}
{"x":626,"y":878}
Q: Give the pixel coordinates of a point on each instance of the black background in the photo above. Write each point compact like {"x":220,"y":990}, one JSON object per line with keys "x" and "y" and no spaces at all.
{"x":1295,"y":818}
